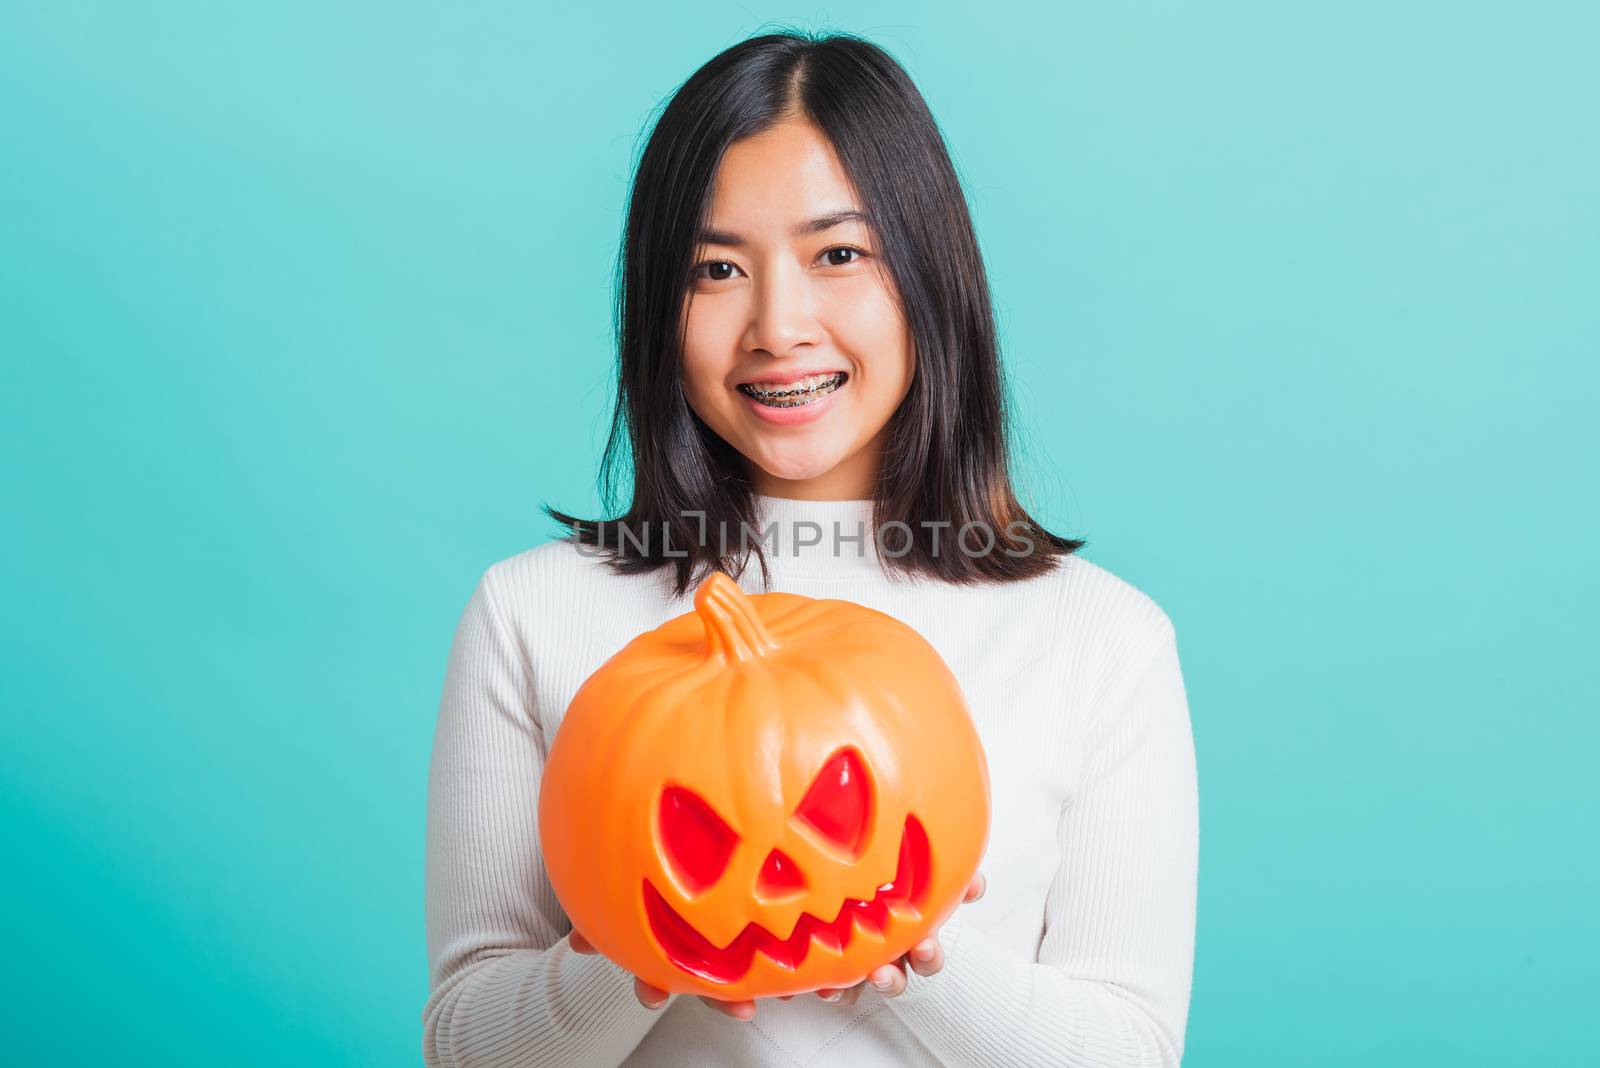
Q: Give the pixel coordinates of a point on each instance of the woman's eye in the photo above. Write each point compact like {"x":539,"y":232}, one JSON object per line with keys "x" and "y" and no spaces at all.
{"x":715,"y":270}
{"x":839,"y":256}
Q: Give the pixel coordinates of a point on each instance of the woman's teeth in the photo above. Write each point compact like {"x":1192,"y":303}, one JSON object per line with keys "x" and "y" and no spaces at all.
{"x":804,"y":391}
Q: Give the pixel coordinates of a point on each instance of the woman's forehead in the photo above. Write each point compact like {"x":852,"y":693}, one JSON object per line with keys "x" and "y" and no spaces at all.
{"x":779,"y":182}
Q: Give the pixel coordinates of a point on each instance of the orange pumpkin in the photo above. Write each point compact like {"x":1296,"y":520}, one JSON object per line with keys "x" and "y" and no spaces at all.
{"x":764,"y":796}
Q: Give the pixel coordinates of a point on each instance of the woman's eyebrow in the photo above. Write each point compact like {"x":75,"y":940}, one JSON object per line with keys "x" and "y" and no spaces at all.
{"x":810,"y":226}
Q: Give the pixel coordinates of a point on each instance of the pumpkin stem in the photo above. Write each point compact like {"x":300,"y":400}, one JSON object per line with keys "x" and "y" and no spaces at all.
{"x":733,"y":629}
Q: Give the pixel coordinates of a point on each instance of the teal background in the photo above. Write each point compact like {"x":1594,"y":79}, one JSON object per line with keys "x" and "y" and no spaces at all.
{"x":304,"y":310}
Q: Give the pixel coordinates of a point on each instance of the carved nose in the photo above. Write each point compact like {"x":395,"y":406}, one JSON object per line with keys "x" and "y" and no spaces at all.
{"x":780,"y":876}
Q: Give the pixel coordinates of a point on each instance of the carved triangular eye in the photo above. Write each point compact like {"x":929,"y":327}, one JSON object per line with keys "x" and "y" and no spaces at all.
{"x":838,"y":804}
{"x":698,"y":842}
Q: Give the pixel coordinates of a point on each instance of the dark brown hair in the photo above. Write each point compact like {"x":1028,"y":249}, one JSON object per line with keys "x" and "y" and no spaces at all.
{"x":946,"y":458}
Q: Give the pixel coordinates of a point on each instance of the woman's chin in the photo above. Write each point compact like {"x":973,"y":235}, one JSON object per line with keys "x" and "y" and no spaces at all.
{"x":792,"y":470}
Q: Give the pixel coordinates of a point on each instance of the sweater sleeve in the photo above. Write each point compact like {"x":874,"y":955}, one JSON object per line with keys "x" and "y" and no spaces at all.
{"x":1111,"y":985}
{"x":506,"y":986}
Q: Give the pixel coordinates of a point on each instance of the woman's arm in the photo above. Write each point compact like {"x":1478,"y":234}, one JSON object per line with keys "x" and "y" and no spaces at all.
{"x":507,"y":988}
{"x":1111,"y":985}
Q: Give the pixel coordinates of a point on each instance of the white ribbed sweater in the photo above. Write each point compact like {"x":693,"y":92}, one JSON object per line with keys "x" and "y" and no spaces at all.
{"x":1080,"y":952}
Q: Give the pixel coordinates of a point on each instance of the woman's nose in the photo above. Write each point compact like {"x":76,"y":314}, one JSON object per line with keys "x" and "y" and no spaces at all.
{"x":783,"y":317}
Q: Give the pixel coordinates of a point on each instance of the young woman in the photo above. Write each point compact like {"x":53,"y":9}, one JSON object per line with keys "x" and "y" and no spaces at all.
{"x":811,"y":400}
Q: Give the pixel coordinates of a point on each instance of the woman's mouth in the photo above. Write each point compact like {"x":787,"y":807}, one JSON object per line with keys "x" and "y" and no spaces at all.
{"x":795,"y":394}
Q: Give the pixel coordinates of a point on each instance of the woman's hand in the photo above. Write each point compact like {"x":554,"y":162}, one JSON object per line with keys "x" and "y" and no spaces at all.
{"x":925,"y":958}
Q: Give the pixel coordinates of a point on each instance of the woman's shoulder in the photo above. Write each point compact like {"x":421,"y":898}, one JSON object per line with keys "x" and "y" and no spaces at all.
{"x":1105,"y":620}
{"x":563,"y":581}
{"x":553,"y":568}
{"x":564,"y":612}
{"x":1091,"y":591}
{"x":547,"y":560}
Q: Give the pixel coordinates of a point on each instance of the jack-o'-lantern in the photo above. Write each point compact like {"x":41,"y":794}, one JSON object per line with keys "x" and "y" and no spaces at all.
{"x":766,"y":795}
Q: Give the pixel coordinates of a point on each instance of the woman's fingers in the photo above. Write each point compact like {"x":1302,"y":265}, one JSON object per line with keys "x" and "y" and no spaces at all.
{"x":739,"y":1010}
{"x":579,"y":943}
{"x":889,"y":980}
{"x":650,"y":997}
{"x":975,"y":889}
{"x":926,"y":957}
{"x":837,"y":995}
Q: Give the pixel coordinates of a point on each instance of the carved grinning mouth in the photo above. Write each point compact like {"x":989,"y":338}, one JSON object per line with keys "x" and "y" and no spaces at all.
{"x":691,"y":951}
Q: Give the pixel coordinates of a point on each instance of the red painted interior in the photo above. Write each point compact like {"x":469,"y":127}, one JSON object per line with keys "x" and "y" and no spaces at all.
{"x":838,"y":804}
{"x":698,"y":842}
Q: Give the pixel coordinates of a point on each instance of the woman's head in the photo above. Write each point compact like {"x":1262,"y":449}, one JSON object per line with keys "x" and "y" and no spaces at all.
{"x":766,"y":166}
{"x":795,"y":350}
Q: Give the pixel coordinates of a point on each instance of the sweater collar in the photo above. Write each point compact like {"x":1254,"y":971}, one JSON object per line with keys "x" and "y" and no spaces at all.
{"x":816,"y":537}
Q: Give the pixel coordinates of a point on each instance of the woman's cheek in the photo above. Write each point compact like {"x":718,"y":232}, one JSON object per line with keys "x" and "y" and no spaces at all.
{"x":708,"y":356}
{"x":866,"y":324}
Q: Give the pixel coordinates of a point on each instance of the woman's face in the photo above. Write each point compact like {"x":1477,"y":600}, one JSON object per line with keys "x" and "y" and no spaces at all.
{"x":789,"y":294}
